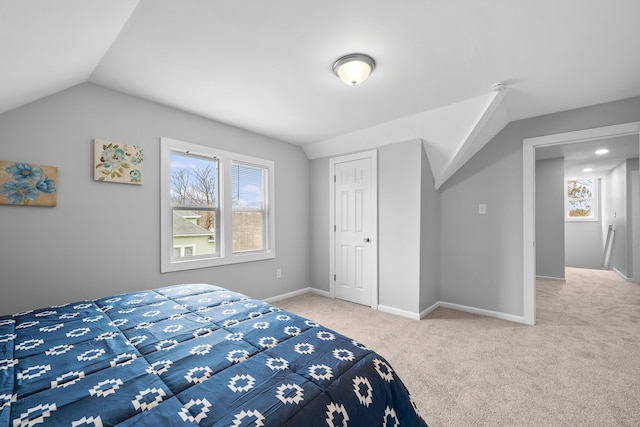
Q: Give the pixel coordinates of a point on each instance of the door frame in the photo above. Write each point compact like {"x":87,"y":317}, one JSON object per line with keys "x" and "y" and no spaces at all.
{"x":372,"y":155}
{"x":529,"y":192}
{"x":635,"y":225}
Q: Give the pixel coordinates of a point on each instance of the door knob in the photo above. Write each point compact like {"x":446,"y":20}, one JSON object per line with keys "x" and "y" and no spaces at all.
{"x":366,"y":240}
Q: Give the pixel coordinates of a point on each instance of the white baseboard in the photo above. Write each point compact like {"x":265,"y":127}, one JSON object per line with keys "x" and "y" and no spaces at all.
{"x":405,"y":313}
{"x":621,"y":275}
{"x":398,"y":312}
{"x":430,"y":309}
{"x":320,"y":292}
{"x":560,"y":279}
{"x":297,"y":293}
{"x":458,"y":307}
{"x":482,"y":312}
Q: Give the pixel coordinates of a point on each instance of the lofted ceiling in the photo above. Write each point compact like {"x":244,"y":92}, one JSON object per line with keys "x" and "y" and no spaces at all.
{"x":266,"y":66}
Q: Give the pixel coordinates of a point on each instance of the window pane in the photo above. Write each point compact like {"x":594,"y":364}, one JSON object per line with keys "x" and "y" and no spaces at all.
{"x":579,"y":208}
{"x":248,"y":230}
{"x":248,"y":207}
{"x":580,"y":193}
{"x":248,"y":186}
{"x":194,"y":233}
{"x":580,"y":189}
{"x":194,"y":181}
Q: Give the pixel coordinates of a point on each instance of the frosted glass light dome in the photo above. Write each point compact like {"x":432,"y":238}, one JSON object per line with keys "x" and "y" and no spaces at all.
{"x":354,"y":69}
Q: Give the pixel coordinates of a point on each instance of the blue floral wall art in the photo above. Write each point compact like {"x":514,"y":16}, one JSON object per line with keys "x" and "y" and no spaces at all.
{"x":117,"y":162}
{"x":26,"y":184}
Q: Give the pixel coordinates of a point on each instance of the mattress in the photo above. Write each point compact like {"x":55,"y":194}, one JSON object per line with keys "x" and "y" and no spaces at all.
{"x":185,"y":355}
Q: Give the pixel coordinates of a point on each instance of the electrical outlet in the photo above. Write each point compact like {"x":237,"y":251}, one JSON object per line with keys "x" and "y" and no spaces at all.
{"x":278,"y":273}
{"x":482,"y":209}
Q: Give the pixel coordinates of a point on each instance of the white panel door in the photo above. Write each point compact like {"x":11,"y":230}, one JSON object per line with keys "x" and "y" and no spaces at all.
{"x":354,"y":228}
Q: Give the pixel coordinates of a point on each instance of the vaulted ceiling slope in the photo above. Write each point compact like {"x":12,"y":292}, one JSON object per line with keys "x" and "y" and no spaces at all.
{"x":266,"y":66}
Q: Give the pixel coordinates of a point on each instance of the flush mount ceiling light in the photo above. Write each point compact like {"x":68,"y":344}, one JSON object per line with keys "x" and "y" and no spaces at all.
{"x":354,"y":68}
{"x":601,"y":151}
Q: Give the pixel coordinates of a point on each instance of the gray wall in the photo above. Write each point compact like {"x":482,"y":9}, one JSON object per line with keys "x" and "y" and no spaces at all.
{"x":319,"y":191}
{"x":615,"y":195}
{"x":429,"y":237}
{"x":399,"y":204}
{"x":584,"y":244}
{"x":103,"y":238}
{"x":481,"y":256}
{"x":584,"y":240}
{"x":618,"y":211}
{"x":550,"y":239}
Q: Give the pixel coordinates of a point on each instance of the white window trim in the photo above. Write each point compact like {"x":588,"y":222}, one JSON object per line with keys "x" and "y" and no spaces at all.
{"x":226,"y":255}
{"x":596,"y":202}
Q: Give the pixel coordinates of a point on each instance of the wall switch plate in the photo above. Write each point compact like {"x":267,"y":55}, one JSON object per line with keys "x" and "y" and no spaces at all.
{"x":482,"y":209}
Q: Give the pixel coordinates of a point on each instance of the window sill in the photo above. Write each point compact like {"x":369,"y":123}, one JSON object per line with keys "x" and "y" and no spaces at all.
{"x":168,"y":267}
{"x":582,"y":220}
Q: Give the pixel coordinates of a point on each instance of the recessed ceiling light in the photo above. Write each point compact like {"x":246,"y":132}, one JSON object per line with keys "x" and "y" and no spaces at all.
{"x":602,"y":151}
{"x":587,"y":170}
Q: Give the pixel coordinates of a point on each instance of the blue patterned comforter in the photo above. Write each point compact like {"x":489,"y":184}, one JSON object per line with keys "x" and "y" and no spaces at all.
{"x":190,"y":355}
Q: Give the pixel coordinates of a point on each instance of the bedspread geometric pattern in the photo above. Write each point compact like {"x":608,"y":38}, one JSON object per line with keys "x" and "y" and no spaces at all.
{"x":189,"y":355}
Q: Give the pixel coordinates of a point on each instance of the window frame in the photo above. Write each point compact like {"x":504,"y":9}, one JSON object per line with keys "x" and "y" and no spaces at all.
{"x":595,"y":201}
{"x":225,"y":255}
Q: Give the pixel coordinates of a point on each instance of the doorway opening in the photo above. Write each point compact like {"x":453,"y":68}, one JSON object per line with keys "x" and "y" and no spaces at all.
{"x":529,"y":231}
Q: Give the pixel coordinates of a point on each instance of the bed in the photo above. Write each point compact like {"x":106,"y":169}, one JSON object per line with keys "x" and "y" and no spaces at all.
{"x":186,"y":355}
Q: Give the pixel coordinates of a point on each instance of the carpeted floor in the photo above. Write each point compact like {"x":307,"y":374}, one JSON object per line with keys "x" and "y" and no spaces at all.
{"x":579,"y":366}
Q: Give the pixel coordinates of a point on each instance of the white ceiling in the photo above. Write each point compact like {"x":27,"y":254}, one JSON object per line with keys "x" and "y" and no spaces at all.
{"x":582,"y":155}
{"x":265,"y":66}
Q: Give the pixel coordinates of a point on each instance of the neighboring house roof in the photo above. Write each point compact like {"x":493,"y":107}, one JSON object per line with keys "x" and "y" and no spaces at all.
{"x":184,"y":227}
{"x":187,"y":214}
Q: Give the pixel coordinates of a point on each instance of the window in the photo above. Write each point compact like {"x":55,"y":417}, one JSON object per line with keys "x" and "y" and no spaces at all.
{"x":581,"y":199}
{"x":216,"y":207}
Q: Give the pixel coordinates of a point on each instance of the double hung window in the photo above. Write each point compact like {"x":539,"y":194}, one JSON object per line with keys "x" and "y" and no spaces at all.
{"x":216,"y":207}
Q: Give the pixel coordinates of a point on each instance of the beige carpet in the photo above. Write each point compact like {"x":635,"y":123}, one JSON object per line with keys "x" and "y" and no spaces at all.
{"x":579,"y":366}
